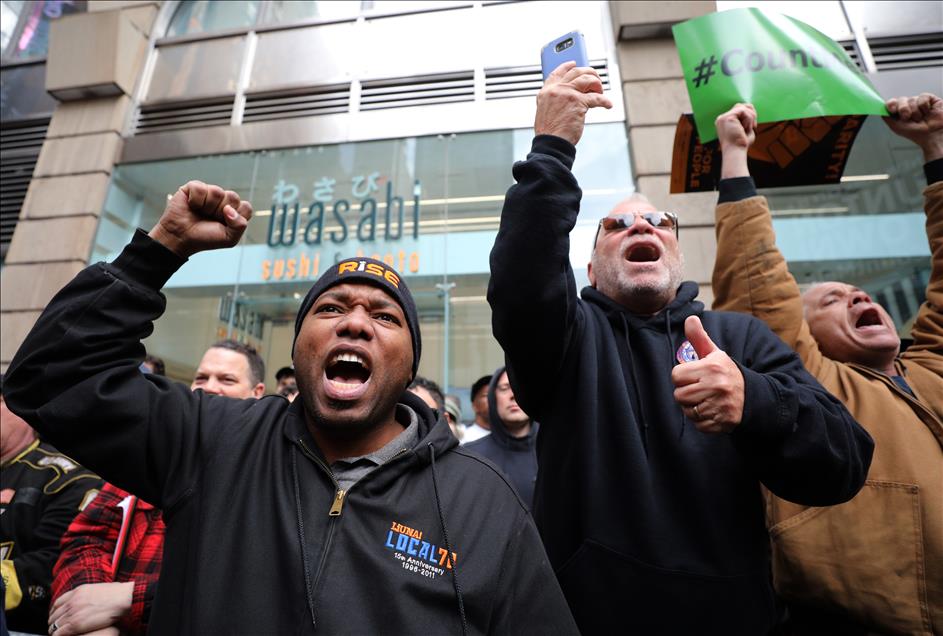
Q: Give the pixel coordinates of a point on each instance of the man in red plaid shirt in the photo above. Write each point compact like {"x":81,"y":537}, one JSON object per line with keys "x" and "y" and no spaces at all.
{"x":106,"y":577}
{"x":109,"y":564}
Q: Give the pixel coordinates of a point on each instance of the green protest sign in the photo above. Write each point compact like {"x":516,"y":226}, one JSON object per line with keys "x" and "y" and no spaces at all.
{"x":784,"y":67}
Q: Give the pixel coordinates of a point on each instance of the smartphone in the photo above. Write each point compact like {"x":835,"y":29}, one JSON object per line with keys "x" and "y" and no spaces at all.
{"x":563,"y":49}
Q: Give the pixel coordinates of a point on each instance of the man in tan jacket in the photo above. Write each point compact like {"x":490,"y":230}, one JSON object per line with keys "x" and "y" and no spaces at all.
{"x":876,"y":562}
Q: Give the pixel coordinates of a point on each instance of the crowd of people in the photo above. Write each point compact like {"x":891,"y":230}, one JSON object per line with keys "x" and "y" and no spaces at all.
{"x":642,"y":464}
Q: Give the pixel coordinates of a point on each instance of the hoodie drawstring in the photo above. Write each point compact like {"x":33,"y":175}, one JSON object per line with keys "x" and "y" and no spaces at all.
{"x":301,"y":536}
{"x":671,"y":348}
{"x":304,"y":551}
{"x":634,"y":383}
{"x":448,"y":545}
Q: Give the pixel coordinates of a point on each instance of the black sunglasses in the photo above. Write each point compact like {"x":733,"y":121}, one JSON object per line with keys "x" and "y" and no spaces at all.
{"x":614,"y":222}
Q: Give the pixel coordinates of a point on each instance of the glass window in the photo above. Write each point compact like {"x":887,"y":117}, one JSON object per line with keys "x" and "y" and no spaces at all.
{"x":827,"y":17}
{"x":288,"y":11}
{"x":309,"y":56}
{"x":391,"y":47}
{"x":23,"y":93}
{"x":193,"y":70}
{"x":9,"y":16}
{"x":453,"y":185}
{"x":26,"y":25}
{"x":390,"y":6}
{"x":207,"y":16}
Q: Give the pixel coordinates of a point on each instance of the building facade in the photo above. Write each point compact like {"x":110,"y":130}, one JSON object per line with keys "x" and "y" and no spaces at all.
{"x":384,"y":129}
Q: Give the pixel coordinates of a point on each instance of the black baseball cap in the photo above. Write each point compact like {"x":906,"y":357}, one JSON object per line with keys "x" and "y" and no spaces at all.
{"x":479,"y":384}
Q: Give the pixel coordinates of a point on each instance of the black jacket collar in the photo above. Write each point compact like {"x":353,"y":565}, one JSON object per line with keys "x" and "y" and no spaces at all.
{"x":683,"y":305}
{"x":434,"y":431}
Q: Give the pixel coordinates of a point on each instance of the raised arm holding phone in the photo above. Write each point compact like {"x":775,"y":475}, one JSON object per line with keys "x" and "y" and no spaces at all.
{"x":659,"y":420}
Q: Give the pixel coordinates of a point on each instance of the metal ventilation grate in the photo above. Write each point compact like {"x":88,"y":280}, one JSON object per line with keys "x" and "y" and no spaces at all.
{"x":851,"y":48}
{"x":20,"y":144}
{"x":525,"y":81}
{"x":318,"y":100}
{"x":418,"y":91}
{"x":155,"y":118}
{"x":908,"y":51}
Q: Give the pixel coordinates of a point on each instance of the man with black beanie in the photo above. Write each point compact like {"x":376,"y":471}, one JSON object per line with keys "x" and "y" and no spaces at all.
{"x":345,"y":511}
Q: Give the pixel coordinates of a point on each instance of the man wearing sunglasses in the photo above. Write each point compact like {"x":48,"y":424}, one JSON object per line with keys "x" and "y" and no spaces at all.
{"x":850,"y":343}
{"x":660,"y":420}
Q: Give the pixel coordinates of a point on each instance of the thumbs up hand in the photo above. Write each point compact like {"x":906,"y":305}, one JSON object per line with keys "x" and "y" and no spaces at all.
{"x":710,"y":389}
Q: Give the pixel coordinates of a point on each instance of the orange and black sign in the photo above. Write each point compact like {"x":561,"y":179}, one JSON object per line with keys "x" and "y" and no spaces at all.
{"x":796,"y":152}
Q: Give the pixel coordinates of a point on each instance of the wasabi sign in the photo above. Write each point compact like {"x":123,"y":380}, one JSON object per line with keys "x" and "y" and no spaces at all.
{"x":290,"y":223}
{"x":784,"y":67}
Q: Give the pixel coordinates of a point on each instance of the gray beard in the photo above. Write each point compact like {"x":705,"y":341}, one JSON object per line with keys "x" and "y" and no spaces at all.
{"x":616,"y":283}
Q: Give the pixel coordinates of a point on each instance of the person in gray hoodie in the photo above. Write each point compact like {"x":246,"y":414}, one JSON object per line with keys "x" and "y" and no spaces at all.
{"x":512,"y":444}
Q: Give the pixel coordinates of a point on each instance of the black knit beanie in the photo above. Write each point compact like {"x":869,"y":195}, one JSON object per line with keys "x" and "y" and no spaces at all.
{"x":373,"y":272}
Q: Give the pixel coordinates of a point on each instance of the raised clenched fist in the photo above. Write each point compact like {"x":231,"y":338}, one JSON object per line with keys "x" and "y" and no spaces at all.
{"x":201,"y":217}
{"x":736,"y":132}
{"x":736,"y":127}
{"x":919,"y":119}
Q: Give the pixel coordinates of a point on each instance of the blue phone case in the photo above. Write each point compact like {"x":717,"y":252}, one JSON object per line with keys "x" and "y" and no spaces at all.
{"x":563,"y":49}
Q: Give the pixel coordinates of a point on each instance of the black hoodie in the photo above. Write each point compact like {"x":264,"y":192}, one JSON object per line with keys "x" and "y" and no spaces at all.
{"x":651,"y":525}
{"x":257,"y":541}
{"x":515,"y":456}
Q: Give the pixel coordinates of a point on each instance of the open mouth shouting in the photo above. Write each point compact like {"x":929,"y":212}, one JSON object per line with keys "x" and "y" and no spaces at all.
{"x":869,"y":320}
{"x":347,"y":375}
{"x":643,"y":252}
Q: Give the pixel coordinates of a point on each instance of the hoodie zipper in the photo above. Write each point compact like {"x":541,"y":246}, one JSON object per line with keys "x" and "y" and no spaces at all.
{"x":340,"y":495}
{"x":337,"y":506}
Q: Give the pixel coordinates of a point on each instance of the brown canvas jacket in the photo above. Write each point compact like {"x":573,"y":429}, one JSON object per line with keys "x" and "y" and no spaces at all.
{"x":879,"y":556}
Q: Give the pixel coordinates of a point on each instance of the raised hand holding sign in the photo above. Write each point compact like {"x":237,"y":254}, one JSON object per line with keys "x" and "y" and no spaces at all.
{"x":919,"y":119}
{"x":736,"y":132}
{"x":811,"y":99}
{"x":788,"y":69}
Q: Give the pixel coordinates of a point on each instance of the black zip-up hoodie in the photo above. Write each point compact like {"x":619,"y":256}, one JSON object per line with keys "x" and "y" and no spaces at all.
{"x":652,"y":526}
{"x":258,"y":542}
{"x":515,"y":456}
